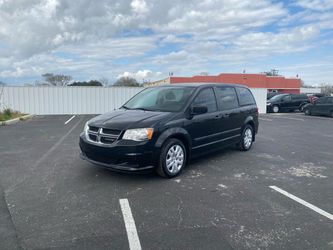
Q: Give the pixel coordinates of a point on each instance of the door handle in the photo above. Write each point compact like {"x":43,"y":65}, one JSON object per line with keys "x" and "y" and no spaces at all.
{"x":225,"y":115}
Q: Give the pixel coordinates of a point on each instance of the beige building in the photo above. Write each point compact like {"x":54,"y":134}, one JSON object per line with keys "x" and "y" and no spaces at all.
{"x":159,"y":82}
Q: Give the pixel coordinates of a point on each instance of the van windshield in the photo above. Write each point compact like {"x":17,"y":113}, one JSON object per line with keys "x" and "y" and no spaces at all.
{"x":160,"y":99}
{"x":277,"y":97}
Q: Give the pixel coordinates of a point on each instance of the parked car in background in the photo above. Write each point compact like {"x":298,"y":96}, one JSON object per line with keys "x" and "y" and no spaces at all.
{"x":271,"y":94}
{"x":162,"y":127}
{"x":322,"y":106}
{"x":314,"y":97}
{"x":287,"y":102}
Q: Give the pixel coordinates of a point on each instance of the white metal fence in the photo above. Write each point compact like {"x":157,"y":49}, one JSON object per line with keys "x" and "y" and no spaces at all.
{"x":78,"y":100}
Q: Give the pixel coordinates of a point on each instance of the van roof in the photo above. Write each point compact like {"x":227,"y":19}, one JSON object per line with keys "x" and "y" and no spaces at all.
{"x":201,"y":84}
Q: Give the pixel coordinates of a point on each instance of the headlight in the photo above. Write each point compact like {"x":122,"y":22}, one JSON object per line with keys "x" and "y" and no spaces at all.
{"x":268,"y":104}
{"x":139,"y":134}
{"x":86,"y":127}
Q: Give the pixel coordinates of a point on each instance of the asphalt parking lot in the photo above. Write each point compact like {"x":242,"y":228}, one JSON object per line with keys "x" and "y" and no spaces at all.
{"x":50,"y":198}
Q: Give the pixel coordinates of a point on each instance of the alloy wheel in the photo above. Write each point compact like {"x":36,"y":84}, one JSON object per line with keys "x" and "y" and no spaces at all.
{"x":248,"y":137}
{"x":174,"y":159}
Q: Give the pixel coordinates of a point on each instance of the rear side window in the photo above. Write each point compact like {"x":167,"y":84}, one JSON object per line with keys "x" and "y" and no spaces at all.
{"x":329,"y":100}
{"x":299,"y":97}
{"x":227,"y":97}
{"x":207,"y":98}
{"x":245,"y":97}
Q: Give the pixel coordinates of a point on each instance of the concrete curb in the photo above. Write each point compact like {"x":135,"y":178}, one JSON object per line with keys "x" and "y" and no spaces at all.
{"x":12,"y":121}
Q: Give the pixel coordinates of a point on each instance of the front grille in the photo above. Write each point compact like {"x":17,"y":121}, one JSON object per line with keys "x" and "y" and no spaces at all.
{"x":103,"y":135}
{"x":94,"y":129}
{"x":93,"y":137}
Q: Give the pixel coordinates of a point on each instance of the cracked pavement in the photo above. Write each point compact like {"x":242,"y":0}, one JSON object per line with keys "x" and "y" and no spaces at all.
{"x":49,"y":198}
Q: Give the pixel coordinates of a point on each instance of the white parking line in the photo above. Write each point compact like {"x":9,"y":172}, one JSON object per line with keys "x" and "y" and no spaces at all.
{"x":66,"y":122}
{"x":303,"y":202}
{"x":290,"y":118}
{"x":132,"y":234}
{"x":265,"y":119}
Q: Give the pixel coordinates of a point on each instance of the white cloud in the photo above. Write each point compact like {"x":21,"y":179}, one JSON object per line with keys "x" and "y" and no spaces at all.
{"x":141,"y":75}
{"x":319,"y":5}
{"x":139,"y":6}
{"x":87,"y":38}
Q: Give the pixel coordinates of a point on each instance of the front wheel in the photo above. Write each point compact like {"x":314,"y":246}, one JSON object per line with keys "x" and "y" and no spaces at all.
{"x":247,"y":138}
{"x":172,"y":158}
{"x":276,"y":109}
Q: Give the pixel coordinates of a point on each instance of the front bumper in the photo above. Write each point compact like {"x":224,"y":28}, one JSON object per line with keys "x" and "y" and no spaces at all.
{"x":120,"y":156}
{"x":269,"y":108}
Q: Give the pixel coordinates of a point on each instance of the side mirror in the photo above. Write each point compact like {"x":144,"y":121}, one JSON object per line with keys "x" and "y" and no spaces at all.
{"x":197,"y":110}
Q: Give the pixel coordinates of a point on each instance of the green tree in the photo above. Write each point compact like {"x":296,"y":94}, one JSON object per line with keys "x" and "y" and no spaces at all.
{"x":273,"y":72}
{"x":90,"y":83}
{"x":126,"y":82}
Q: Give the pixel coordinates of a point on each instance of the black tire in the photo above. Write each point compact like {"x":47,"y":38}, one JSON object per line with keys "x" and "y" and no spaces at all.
{"x":242,"y":144}
{"x":332,"y":113}
{"x":275,"y":109}
{"x":162,"y":168}
{"x":307,"y":112}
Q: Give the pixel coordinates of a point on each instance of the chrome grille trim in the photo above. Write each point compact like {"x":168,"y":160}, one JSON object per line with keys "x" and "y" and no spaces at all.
{"x":102,"y":136}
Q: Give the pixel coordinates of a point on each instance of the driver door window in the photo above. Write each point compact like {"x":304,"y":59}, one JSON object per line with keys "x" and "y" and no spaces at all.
{"x":287,"y":98}
{"x":207,"y":98}
{"x":320,"y":101}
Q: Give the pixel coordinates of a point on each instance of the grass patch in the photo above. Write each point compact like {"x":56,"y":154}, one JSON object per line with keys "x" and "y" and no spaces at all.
{"x":9,"y":114}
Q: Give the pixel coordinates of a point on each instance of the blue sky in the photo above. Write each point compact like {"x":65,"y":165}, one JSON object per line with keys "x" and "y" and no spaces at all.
{"x":147,"y":39}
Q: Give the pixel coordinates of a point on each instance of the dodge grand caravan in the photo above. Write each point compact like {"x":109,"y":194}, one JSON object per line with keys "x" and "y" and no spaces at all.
{"x":162,"y":127}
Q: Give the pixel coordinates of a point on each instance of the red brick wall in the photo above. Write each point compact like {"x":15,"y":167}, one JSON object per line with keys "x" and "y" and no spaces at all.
{"x":285,"y":85}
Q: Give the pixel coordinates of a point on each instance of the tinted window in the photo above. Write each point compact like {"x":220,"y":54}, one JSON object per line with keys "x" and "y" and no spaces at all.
{"x":297,"y":97}
{"x":277,"y":97}
{"x":162,"y":99}
{"x":227,"y":97}
{"x":329,"y":100}
{"x":206,"y":97}
{"x":321,"y":100}
{"x":287,"y":98}
{"x":245,"y":97}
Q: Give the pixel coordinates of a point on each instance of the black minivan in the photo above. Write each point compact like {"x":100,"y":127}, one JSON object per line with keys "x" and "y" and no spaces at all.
{"x":162,"y":127}
{"x":287,"y":102}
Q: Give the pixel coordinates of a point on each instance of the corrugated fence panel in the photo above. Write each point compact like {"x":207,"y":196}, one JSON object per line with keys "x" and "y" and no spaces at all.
{"x":261,"y":98}
{"x":79,"y":100}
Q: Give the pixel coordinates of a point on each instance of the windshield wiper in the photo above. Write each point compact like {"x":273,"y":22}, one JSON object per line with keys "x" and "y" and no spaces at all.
{"x":144,"y":109}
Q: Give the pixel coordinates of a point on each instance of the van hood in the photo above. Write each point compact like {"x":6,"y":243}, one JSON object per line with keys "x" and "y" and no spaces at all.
{"x":123,"y":119}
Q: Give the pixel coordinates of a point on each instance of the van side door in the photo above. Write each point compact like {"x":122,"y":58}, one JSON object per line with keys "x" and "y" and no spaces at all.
{"x":286,"y":103}
{"x":324,"y":106}
{"x":204,"y":128}
{"x":319,"y":106}
{"x":230,"y":112}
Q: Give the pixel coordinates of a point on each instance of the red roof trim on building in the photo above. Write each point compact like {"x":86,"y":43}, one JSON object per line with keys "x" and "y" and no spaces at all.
{"x":250,"y":80}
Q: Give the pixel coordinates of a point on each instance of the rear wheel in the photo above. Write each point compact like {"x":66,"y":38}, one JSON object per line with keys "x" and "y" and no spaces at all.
{"x":247,"y":138}
{"x":172,"y":158}
{"x":276,"y":109}
{"x":332,"y":113}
